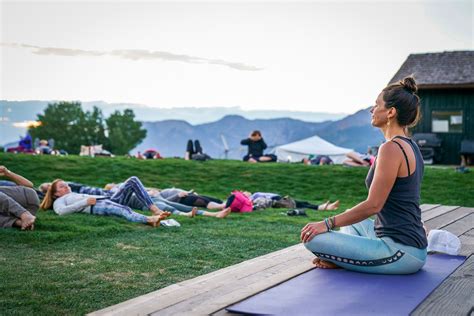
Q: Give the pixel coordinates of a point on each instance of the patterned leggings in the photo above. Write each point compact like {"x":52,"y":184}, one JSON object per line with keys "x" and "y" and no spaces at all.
{"x":132,"y":186}
{"x":110,"y":208}
{"x":357,"y":248}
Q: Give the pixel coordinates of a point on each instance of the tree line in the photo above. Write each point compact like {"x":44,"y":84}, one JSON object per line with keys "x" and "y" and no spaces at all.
{"x":70,"y":127}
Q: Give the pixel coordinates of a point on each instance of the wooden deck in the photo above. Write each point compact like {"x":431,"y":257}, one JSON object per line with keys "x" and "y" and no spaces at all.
{"x":209,"y":294}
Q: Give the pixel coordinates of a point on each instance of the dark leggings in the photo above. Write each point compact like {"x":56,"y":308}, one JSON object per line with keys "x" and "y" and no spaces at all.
{"x":230,"y":199}
{"x":197,"y":149}
{"x":198,"y":200}
{"x":300,"y":204}
{"x":304,"y":204}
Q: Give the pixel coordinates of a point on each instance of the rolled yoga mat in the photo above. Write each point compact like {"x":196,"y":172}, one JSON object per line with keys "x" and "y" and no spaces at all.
{"x":342,"y":292}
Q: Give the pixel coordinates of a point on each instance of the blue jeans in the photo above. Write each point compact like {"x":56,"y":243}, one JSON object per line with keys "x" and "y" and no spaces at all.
{"x":132,"y":186}
{"x":110,"y":208}
{"x":357,"y":248}
{"x":173,"y":207}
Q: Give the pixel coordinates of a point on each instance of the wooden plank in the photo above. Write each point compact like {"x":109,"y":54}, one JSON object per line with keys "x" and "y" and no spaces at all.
{"x":228,"y":270}
{"x":454,"y":296}
{"x":427,"y":207}
{"x":461,"y":226}
{"x":212,"y":292}
{"x":223,"y":312}
{"x":184,"y":297}
{"x":448,"y":218}
{"x":185,"y":290}
{"x":206,"y":303}
{"x":467,"y":243}
{"x":437,"y":211}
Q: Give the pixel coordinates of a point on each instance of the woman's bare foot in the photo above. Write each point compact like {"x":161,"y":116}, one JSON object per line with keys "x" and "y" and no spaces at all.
{"x":192,"y":213}
{"x":27,"y":221}
{"x":333,"y":206}
{"x":155,"y":210}
{"x":154,"y":220}
{"x":164,"y":215}
{"x":324,"y":206}
{"x":223,"y":213}
{"x":321,"y":264}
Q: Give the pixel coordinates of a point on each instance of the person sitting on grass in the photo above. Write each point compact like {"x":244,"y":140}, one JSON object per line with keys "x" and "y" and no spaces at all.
{"x":259,"y":196}
{"x":18,"y":203}
{"x":256,"y":146}
{"x":396,"y":242}
{"x":63,"y":202}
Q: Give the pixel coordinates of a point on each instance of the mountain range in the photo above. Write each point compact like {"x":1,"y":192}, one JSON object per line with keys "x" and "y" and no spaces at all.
{"x":211,"y":125}
{"x":170,"y":137}
{"x":14,"y":114}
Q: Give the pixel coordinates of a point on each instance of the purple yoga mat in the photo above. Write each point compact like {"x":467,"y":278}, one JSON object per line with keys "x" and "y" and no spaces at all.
{"x":342,"y":292}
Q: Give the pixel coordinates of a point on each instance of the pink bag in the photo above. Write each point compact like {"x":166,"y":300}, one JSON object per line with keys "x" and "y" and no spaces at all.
{"x":241,"y":203}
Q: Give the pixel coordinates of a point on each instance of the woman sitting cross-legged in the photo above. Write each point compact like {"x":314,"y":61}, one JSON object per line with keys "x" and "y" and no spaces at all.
{"x":396,"y":242}
{"x":63,"y":202}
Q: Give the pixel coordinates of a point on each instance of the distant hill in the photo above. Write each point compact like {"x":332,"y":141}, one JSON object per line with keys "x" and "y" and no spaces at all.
{"x":170,"y":137}
{"x":353,"y":131}
{"x":21,"y":111}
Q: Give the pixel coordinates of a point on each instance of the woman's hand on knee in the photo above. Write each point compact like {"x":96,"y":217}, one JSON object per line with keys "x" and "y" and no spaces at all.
{"x":312,"y":229}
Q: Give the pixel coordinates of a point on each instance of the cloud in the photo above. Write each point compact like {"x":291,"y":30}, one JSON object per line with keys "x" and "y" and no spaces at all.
{"x":131,"y":54}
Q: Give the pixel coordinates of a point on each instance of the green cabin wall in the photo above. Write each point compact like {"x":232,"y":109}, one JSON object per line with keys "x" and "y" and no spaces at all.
{"x":448,"y":99}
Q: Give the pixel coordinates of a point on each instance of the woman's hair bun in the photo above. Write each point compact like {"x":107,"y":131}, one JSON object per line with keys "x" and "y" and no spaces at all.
{"x":409,"y":84}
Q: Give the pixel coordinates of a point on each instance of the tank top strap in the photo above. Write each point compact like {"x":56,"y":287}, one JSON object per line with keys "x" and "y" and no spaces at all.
{"x":404,"y":154}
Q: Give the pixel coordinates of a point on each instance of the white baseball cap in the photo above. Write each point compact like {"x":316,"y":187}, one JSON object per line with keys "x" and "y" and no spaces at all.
{"x":443,"y":241}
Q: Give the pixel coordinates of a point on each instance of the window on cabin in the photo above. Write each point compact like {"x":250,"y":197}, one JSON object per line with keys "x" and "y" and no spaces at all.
{"x":446,"y":121}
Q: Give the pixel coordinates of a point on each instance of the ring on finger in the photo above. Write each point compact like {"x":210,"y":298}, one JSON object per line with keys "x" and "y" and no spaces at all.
{"x":308,"y":233}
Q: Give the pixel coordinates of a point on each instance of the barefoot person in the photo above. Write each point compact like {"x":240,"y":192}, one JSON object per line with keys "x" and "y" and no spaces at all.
{"x":63,"y":202}
{"x":19,"y":203}
{"x":396,"y":242}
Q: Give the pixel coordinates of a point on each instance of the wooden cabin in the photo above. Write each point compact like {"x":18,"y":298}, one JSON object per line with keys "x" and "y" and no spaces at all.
{"x":446,"y":88}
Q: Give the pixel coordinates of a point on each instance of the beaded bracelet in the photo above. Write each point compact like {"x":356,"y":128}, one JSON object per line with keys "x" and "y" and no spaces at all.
{"x":326,"y":221}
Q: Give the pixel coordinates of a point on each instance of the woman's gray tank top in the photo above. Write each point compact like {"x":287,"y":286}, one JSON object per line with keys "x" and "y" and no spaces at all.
{"x":400,"y":217}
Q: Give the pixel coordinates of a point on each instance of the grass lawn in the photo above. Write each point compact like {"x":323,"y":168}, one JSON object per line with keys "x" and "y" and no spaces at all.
{"x":80,"y":263}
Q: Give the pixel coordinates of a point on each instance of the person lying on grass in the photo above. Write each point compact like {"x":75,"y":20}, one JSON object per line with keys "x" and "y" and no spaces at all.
{"x":396,"y":242}
{"x":179,"y":208}
{"x":134,"y":202}
{"x":191,"y":198}
{"x":270,"y":199}
{"x":18,"y":202}
{"x":81,"y":188}
{"x":63,"y":201}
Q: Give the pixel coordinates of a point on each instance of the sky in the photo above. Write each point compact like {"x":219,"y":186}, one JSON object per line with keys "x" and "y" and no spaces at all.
{"x":303,"y":56}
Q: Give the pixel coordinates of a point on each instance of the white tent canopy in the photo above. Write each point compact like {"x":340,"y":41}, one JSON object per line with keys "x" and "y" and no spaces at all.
{"x":315,"y":145}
